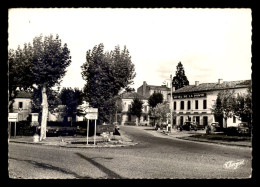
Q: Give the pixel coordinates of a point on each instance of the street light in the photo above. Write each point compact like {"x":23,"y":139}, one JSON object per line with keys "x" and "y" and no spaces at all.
{"x":171,"y":104}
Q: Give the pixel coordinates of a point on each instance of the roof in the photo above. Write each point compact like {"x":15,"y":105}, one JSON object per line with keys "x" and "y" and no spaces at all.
{"x":214,"y":86}
{"x":132,"y":95}
{"x":159,"y":87}
{"x":23,"y":94}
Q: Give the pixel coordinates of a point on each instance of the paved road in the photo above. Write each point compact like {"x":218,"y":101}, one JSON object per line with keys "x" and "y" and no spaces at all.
{"x":152,"y":157}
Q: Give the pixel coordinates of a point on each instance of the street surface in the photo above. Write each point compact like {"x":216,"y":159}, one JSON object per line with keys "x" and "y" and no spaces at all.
{"x":152,"y":157}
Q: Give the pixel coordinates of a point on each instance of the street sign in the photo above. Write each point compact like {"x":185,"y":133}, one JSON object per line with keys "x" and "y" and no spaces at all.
{"x":12,"y":117}
{"x":92,"y":110}
{"x":92,"y":116}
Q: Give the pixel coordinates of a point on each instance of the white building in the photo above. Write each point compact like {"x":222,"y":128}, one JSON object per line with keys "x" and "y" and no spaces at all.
{"x":22,"y":105}
{"x":194,"y":102}
{"x":128,"y":119}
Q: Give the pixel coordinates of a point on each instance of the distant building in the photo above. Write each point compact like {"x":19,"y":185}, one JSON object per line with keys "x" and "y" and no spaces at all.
{"x":128,"y":119}
{"x":22,"y":105}
{"x":194,"y":102}
{"x":147,"y":90}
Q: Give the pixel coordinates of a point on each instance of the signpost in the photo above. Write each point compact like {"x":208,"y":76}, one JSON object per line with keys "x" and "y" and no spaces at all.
{"x":12,"y":117}
{"x":92,"y":113}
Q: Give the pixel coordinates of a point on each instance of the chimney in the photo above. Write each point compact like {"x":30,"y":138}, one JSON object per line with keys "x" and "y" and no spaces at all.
{"x":220,"y":81}
{"x":144,"y":87}
{"x":196,"y":83}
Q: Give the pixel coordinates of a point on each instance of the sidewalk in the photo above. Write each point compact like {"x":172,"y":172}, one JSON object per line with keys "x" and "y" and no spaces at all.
{"x":187,"y":135}
{"x":77,"y":141}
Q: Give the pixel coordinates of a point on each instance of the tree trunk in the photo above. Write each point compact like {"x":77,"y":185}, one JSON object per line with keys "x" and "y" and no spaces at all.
{"x":225,"y":122}
{"x":44,"y":113}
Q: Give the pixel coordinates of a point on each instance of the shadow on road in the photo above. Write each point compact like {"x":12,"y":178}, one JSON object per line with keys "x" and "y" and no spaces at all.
{"x":50,"y":167}
{"x":110,"y":173}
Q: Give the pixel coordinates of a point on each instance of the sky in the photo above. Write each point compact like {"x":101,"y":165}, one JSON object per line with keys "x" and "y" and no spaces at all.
{"x":211,"y":44}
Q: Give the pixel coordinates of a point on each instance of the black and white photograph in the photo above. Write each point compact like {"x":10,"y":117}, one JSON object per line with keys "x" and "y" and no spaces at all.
{"x":129,"y":93}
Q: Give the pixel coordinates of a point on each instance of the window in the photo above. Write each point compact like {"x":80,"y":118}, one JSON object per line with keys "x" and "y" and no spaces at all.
{"x":129,"y":107}
{"x":204,"y":104}
{"x":20,"y":105}
{"x":129,"y":117}
{"x":234,"y":119}
{"x":182,"y":105}
{"x":188,"y":105}
{"x":175,"y":105}
{"x":145,"y":108}
{"x":196,"y":104}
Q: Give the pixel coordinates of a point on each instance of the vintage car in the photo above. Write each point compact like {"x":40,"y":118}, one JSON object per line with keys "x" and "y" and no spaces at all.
{"x":188,"y":125}
{"x":213,"y":127}
{"x":243,"y":129}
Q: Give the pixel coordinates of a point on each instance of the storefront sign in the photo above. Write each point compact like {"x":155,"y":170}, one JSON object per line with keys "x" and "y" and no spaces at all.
{"x":186,"y":96}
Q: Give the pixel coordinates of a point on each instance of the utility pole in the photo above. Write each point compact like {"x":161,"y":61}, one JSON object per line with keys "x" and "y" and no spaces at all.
{"x":171,"y":104}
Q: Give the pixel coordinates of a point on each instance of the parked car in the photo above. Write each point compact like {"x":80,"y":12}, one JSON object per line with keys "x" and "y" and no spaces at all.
{"x":188,"y":125}
{"x":199,"y":126}
{"x":213,"y":127}
{"x":243,"y":129}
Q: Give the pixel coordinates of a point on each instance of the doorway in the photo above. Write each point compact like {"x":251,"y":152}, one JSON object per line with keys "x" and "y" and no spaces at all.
{"x":205,"y":121}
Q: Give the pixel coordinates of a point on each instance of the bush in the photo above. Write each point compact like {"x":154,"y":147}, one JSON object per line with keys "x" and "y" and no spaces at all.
{"x":23,"y":128}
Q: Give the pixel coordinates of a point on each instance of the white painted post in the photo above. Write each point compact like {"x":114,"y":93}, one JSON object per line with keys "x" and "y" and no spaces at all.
{"x":87,"y":131}
{"x":14,"y":129}
{"x":95,"y":132}
{"x":171,"y":104}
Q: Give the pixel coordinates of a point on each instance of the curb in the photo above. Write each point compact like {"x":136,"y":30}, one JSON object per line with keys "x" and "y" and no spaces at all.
{"x":213,"y":142}
{"x":75,"y":146}
{"x":188,"y":138}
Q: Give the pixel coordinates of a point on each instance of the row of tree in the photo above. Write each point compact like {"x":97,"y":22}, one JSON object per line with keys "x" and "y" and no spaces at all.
{"x":228,"y":105}
{"x":40,"y":66}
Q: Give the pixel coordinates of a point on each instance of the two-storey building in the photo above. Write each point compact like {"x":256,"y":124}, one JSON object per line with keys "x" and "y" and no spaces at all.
{"x":195,"y":102}
{"x":22,"y":105}
{"x":127,"y":118}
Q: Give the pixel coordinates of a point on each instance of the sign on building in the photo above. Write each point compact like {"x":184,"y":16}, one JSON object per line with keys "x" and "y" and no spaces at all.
{"x":185,"y":96}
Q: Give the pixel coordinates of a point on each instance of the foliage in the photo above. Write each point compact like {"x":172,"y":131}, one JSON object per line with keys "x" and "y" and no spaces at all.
{"x":53,"y":100}
{"x":136,"y":107}
{"x":224,"y":104}
{"x":106,"y":74}
{"x":161,"y":112}
{"x":19,"y":71}
{"x":43,"y":64}
{"x":179,"y":80}
{"x":50,"y":60}
{"x":72,"y":98}
{"x":243,"y":106}
{"x":155,"y":99}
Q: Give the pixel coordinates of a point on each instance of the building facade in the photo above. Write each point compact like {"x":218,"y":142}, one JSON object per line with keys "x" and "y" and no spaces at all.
{"x":195,"y":102}
{"x":127,"y":118}
{"x":22,"y":105}
{"x":147,"y":90}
